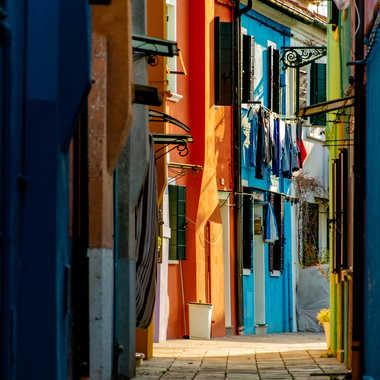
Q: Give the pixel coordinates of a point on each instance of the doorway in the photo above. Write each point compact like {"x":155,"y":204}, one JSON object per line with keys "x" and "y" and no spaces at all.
{"x":259,"y":270}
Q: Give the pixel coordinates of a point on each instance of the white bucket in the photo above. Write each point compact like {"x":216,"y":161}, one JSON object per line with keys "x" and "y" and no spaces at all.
{"x":200,"y":320}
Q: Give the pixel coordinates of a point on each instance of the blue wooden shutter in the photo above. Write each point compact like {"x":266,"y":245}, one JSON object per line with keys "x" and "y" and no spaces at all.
{"x":173,"y":222}
{"x":181,"y":222}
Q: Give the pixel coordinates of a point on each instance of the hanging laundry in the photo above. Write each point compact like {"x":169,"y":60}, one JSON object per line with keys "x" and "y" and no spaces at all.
{"x":260,"y":151}
{"x":302,"y":151}
{"x":253,"y":120}
{"x":295,"y":150}
{"x":286,"y":150}
{"x":246,"y":132}
{"x":276,"y":148}
{"x":268,"y":141}
{"x":270,"y":226}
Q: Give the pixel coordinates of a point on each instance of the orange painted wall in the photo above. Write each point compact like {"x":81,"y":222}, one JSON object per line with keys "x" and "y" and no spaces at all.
{"x":211,"y":128}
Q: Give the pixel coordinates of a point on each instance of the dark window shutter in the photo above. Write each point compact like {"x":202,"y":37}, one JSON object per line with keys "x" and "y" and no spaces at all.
{"x":247,"y":232}
{"x":173,"y":222}
{"x":270,"y":77}
{"x":271,"y":248}
{"x":333,"y":225}
{"x":276,"y":81}
{"x":318,"y":90}
{"x":223,"y":63}
{"x":337,"y":216}
{"x":181,"y":222}
{"x":276,"y":250}
{"x":344,"y":207}
{"x":248,"y":68}
{"x":282,"y":233}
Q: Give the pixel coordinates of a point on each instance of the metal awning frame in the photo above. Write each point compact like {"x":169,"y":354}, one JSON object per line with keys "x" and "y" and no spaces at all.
{"x":179,"y":142}
{"x":150,"y":46}
{"x":324,"y":107}
{"x":160,"y":117}
{"x":298,"y":56}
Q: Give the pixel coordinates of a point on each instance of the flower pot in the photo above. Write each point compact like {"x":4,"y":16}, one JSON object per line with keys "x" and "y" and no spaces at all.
{"x":326,"y":327}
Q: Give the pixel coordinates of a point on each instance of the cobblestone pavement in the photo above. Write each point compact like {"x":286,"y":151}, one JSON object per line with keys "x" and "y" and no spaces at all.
{"x":298,"y":356}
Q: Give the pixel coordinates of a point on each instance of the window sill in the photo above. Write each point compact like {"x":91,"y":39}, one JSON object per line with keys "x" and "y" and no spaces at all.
{"x":173,"y":261}
{"x":173,"y":97}
{"x":275,"y":273}
{"x":246,"y":272}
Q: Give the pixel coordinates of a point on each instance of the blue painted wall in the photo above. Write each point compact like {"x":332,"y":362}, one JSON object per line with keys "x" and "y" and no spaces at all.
{"x":372,"y":238}
{"x":46,"y":60}
{"x":278,"y":290}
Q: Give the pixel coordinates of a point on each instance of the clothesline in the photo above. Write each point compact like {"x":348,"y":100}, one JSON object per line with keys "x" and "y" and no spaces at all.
{"x":275,"y":114}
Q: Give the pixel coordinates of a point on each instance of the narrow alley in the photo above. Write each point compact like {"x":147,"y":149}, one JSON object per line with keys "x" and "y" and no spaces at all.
{"x":275,"y":356}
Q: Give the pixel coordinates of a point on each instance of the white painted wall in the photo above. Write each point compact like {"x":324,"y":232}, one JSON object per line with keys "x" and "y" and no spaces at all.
{"x":163,"y":272}
{"x":225,"y":214}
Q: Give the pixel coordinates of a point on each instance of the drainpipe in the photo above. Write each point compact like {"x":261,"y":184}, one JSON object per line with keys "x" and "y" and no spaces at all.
{"x":238,"y":211}
{"x":359,"y":200}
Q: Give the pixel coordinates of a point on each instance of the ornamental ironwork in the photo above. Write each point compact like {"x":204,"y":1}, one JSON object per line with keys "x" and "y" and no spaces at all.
{"x":298,"y":56}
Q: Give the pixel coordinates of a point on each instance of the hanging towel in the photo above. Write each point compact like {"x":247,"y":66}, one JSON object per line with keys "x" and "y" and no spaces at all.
{"x":270,"y":226}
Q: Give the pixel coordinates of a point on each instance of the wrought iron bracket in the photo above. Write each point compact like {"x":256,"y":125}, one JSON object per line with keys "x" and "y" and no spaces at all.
{"x":179,"y":142}
{"x":298,"y":56}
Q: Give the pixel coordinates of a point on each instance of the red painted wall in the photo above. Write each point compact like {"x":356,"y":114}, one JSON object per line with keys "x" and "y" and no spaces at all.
{"x":211,"y":128}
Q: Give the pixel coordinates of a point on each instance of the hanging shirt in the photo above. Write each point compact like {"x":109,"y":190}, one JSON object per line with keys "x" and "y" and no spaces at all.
{"x":293,"y":135}
{"x":253,"y":120}
{"x":260,"y":151}
{"x":276,"y":148}
{"x":246,"y":131}
{"x":270,"y":226}
{"x":286,"y":152}
{"x":301,"y":147}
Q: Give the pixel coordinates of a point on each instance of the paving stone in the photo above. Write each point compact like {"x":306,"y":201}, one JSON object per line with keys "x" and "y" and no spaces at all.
{"x":240,"y":358}
{"x":150,"y":371}
{"x":242,"y":376}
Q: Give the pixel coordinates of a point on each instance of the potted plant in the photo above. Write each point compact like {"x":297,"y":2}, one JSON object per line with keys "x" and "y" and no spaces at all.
{"x":324,"y":320}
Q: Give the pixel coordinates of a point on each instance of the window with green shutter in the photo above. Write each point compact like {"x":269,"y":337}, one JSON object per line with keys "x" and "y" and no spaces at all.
{"x":318,"y":90}
{"x":177,"y":217}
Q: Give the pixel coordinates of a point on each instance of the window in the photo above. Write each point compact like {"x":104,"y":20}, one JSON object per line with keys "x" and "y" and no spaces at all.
{"x":247,"y":231}
{"x":274,"y":90}
{"x":310,"y":235}
{"x":177,"y":215}
{"x":223,"y":63}
{"x":248,"y":62}
{"x":171,"y":35}
{"x":276,"y":249}
{"x":318,"y":90}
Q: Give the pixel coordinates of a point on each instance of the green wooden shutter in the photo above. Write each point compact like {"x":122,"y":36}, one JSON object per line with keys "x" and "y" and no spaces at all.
{"x":247,"y":232}
{"x":318,"y":90}
{"x":248,"y":68}
{"x":173,"y":222}
{"x":223,"y":63}
{"x":181,"y":222}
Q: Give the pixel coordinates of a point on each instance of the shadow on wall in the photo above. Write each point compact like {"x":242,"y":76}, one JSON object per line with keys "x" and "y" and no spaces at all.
{"x":313,"y":294}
